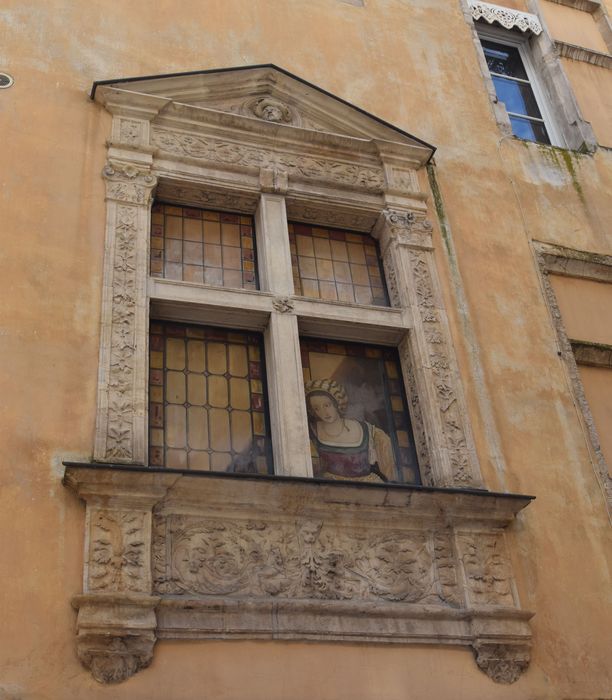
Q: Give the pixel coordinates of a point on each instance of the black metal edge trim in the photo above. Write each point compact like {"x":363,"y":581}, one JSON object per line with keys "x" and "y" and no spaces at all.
{"x":293,"y":479}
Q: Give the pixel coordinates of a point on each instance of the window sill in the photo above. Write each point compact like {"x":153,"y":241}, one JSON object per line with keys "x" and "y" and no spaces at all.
{"x":173,"y":555}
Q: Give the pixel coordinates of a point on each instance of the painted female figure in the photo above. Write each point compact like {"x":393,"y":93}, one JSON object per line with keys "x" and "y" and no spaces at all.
{"x":346,"y":448}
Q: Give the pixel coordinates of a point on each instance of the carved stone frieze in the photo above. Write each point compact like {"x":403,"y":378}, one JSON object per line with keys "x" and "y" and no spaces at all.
{"x":245,"y":557}
{"x":198,"y":196}
{"x":330,"y":216}
{"x":297,"y":165}
{"x":130,"y":131}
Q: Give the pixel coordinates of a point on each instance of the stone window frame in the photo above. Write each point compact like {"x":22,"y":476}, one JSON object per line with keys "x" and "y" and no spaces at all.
{"x":268,"y":143}
{"x":570,"y":130}
{"x":568,"y":262}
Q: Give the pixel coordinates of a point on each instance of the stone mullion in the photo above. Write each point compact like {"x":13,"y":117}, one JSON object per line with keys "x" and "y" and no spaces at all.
{"x":289,"y":422}
{"x":427,"y":353}
{"x":121,"y":419}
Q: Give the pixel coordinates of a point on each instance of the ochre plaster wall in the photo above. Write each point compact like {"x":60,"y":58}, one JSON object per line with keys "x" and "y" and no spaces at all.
{"x":572,"y":26}
{"x":586,"y":308}
{"x":413,"y":64}
{"x":597,"y":383}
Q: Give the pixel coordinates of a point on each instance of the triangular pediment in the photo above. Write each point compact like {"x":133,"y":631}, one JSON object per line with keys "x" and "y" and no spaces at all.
{"x":264,"y":93}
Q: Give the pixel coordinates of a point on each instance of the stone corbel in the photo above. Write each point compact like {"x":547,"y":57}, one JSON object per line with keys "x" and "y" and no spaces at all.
{"x":116,"y":619}
{"x":407,"y":253}
{"x":120,"y":423}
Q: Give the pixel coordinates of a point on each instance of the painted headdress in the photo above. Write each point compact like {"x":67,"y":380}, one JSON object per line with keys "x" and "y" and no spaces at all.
{"x":331,"y":388}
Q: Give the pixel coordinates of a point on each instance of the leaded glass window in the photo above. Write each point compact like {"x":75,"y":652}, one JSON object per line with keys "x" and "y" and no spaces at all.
{"x":207,"y":397}
{"x":358,"y":418}
{"x":203,"y":246}
{"x":336,"y":265}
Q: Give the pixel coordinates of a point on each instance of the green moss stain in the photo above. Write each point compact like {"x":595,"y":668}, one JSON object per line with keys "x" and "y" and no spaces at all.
{"x":441,"y":214}
{"x":563,"y":159}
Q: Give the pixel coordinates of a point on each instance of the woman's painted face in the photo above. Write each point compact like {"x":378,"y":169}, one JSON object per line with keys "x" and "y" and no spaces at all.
{"x":324,"y":408}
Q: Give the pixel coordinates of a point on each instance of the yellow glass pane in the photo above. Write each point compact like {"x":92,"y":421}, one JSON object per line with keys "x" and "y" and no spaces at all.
{"x":212,"y":232}
{"x":238,"y":363}
{"x":220,"y":461}
{"x":322,"y":248}
{"x":174,"y":227}
{"x":254,"y":353}
{"x":363,"y":295}
{"x":176,"y":459}
{"x":346,"y":292}
{"x":156,"y":394}
{"x":195,"y":356}
{"x":176,"y":428}
{"x":310,"y":288}
{"x":239,"y":393}
{"x":328,"y":291}
{"x":339,"y":251}
{"x":175,"y":353}
{"x":219,"y":430}
{"x":157,"y":360}
{"x":241,"y":430}
{"x":197,"y":420}
{"x":256,"y":386}
{"x":402,"y":438}
{"x":396,"y":403}
{"x":342,"y":272}
{"x":196,"y":389}
{"x":217,"y":391}
{"x":217,"y":363}
{"x":259,"y":425}
{"x":308,"y":268}
{"x":391,"y":368}
{"x":157,"y":437}
{"x":325,"y":270}
{"x":360,"y":275}
{"x":230,"y":234}
{"x":199,"y":460}
{"x":304,"y":245}
{"x":355,"y":253}
{"x":192,"y":229}
{"x":175,"y":387}
{"x":232,"y":259}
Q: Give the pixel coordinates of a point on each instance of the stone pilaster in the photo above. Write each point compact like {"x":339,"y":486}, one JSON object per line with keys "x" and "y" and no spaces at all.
{"x":442,"y":430}
{"x":121,"y":418}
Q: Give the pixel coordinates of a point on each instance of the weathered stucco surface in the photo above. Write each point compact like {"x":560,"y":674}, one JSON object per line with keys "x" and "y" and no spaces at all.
{"x":414,"y":65}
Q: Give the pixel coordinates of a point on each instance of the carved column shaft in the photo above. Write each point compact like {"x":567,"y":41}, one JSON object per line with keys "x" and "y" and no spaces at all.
{"x":121,"y":419}
{"x":428,"y":354}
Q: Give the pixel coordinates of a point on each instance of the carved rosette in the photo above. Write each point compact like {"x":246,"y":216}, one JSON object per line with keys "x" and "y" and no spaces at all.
{"x":410,"y":270}
{"x":121,"y":394}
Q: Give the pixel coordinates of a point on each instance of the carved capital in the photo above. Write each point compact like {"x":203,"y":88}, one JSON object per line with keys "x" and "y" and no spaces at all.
{"x":273,"y":180}
{"x":128,"y":182}
{"x":503,"y":663}
{"x":404,"y":228}
{"x":283,"y":305}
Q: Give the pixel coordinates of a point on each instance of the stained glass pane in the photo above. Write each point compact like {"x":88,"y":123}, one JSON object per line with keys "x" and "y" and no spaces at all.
{"x":358,"y":418}
{"x":336,"y":265}
{"x":207,"y":405}
{"x":203,"y":246}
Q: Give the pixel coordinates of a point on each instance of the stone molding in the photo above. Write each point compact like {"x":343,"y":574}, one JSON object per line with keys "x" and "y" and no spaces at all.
{"x":507,"y":17}
{"x":592,"y":354}
{"x":553,"y":259}
{"x":406,"y":246}
{"x":580,"y":53}
{"x":176,"y":555}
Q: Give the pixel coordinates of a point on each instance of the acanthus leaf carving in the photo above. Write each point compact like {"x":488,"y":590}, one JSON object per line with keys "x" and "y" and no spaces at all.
{"x":283,"y":304}
{"x":487,"y":568}
{"x":117,"y":551}
{"x":127,"y":182}
{"x":299,"y":560}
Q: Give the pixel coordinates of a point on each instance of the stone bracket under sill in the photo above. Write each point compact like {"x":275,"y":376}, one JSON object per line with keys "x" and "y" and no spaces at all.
{"x":182,"y":555}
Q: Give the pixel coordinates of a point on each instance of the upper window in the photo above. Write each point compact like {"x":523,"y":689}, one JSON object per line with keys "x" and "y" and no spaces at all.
{"x":516,"y":84}
{"x":514,"y":89}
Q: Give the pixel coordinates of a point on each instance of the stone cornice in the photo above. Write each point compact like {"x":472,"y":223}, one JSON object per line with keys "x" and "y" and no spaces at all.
{"x":580,"y":53}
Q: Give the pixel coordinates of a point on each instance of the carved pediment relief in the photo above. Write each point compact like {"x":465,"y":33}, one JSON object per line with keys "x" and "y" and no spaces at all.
{"x":263,"y":93}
